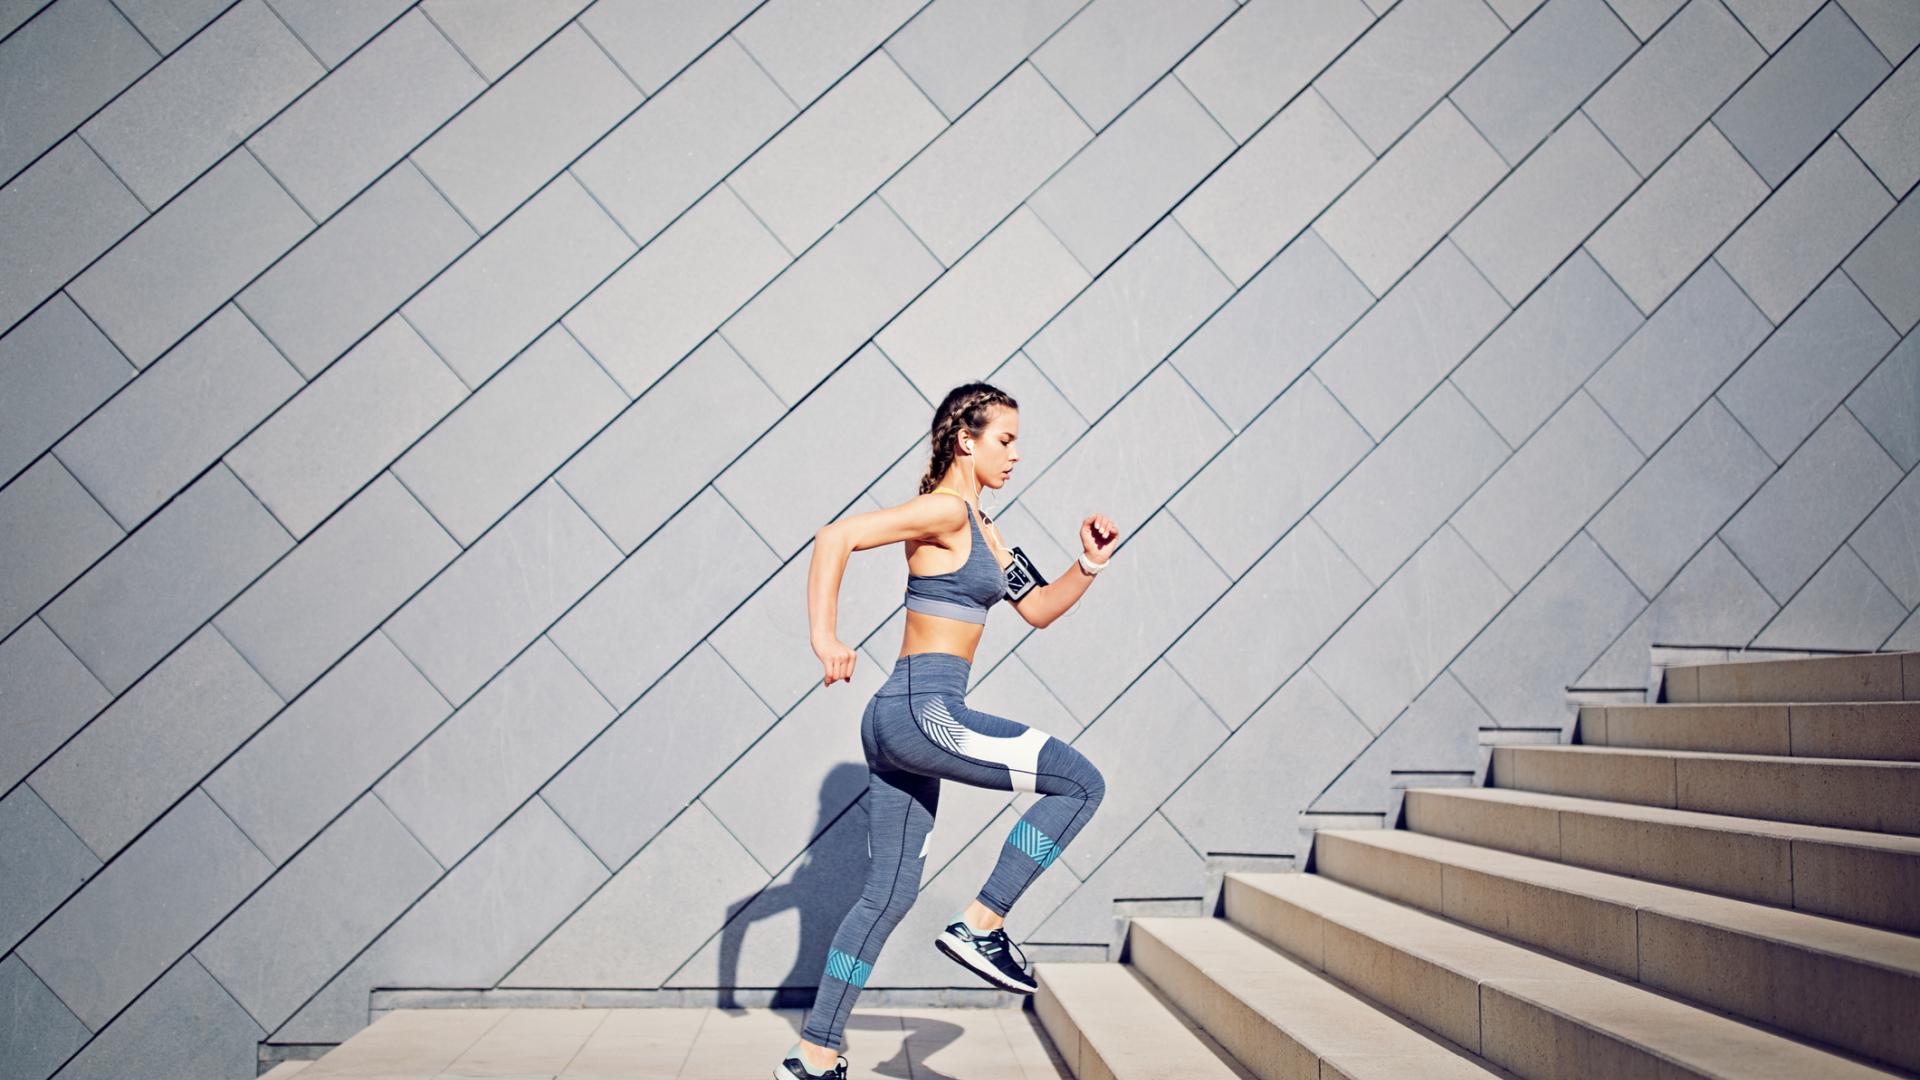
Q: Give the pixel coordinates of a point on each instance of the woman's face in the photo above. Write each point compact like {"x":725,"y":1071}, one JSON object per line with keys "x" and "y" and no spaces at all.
{"x":995,"y":450}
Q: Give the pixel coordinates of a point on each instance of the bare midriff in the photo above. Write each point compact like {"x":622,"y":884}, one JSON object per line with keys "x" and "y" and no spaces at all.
{"x":937,"y":633}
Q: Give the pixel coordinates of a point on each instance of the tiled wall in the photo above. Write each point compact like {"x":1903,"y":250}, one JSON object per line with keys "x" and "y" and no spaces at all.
{"x":414,"y":419}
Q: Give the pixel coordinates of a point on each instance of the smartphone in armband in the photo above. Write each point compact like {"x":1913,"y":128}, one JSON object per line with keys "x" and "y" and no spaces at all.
{"x":1022,"y":576}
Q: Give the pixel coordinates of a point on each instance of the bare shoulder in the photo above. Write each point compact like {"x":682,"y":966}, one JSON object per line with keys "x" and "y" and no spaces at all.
{"x":918,"y":518}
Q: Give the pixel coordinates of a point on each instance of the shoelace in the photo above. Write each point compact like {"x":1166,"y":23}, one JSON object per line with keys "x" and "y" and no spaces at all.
{"x":998,"y":941}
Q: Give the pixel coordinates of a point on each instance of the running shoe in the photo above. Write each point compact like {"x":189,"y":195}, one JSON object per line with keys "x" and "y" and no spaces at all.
{"x":987,"y":955}
{"x":795,"y":1069}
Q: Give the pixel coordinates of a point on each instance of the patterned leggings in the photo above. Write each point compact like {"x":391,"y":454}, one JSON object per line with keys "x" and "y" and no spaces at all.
{"x":916,"y":730}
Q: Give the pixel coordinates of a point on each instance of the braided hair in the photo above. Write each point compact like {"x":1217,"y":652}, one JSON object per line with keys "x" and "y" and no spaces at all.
{"x":967,"y":407}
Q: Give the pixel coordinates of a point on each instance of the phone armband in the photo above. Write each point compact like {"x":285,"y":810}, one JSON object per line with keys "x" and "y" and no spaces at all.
{"x":1022,"y":576}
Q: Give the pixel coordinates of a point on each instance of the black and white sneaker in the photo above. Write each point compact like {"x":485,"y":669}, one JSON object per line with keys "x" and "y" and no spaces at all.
{"x":987,"y":955}
{"x":795,"y":1069}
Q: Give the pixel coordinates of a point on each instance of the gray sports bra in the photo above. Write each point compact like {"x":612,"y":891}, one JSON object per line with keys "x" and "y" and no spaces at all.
{"x":965,"y":593}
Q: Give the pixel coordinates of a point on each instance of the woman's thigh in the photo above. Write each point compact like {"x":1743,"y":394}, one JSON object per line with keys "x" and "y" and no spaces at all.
{"x":937,"y":734}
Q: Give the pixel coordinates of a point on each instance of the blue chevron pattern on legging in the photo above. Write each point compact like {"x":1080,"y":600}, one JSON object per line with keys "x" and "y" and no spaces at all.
{"x":848,"y":969}
{"x":1035,"y":843}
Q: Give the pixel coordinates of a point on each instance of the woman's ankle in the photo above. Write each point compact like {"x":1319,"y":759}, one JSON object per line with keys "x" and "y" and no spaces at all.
{"x":810,"y":1054}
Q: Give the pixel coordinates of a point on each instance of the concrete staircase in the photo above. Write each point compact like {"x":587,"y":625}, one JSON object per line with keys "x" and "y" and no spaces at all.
{"x":1725,"y":884}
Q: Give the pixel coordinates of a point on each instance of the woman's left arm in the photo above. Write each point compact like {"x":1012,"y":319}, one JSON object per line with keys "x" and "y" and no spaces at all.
{"x":1098,"y":537}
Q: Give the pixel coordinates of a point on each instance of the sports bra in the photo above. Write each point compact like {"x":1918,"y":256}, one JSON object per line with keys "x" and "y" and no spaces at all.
{"x":965,"y":593}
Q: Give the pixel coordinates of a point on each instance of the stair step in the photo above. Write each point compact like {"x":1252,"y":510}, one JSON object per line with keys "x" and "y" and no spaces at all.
{"x":1276,"y":1016}
{"x":1880,"y":796}
{"x":286,"y":1070}
{"x":1876,"y":731}
{"x":1109,"y":1025}
{"x":1853,"y":986}
{"x":1522,"y":1010}
{"x":1863,"y":877}
{"x":1865,"y":677}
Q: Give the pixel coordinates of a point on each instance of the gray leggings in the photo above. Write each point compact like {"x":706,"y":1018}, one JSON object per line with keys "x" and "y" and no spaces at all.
{"x":916,"y":730}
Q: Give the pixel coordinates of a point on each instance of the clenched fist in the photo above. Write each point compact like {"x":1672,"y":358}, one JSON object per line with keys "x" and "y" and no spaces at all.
{"x":836,"y":658}
{"x":1098,"y":535}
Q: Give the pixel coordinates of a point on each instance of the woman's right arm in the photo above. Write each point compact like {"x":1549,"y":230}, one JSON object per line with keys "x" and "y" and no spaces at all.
{"x":917,"y":518}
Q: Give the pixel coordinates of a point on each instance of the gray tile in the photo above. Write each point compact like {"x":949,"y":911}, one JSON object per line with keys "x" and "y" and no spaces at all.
{"x":1787,"y":530}
{"x":355,"y":269}
{"x":652,"y":915}
{"x":991,"y":159}
{"x":692,"y":422}
{"x":140,"y":448}
{"x":1520,"y":667}
{"x":55,"y":367}
{"x":1129,"y":319}
{"x":526,"y":127}
{"x":956,"y":50}
{"x":322,"y":751}
{"x":1645,"y":16}
{"x":1410,"y":630}
{"x":509,"y":435}
{"x":41,"y":1032}
{"x":482,"y":610}
{"x":470,"y":928}
{"x":650,"y":763}
{"x":652,"y":40}
{"x":1439,"y":733}
{"x":184,"y":564}
{"x":1291,"y":454}
{"x":1888,"y":403}
{"x":807,"y":46}
{"x":1657,"y":379}
{"x":1681,"y":498}
{"x":979,"y":312}
{"x":1390,"y":217}
{"x":1547,"y":491}
{"x":1412,"y":338}
{"x":1889,"y":541}
{"x":186,"y":261}
{"x":52,"y":530}
{"x":1393,"y":75}
{"x":50,"y":695}
{"x":1112,"y":50}
{"x":1803,"y":231}
{"x":1395,"y":498}
{"x":155,"y":743}
{"x":1884,"y":268}
{"x":1801,"y":94}
{"x":202,"y":102}
{"x":1545,"y":208}
{"x":69,"y":61}
{"x":15,"y":13}
{"x":310,"y":920}
{"x":510,"y":287}
{"x":1907,"y":638}
{"x":1261,"y":340}
{"x":836,"y":153}
{"x":1683,"y":73}
{"x":1843,"y":606}
{"x":1513,"y":12}
{"x":43,"y":862}
{"x":322,"y":147}
{"x":1237,"y":802}
{"x":1265,"y":53}
{"x":1092,"y":653}
{"x":328,"y":593}
{"x":494,"y":37}
{"x":1882,"y":131}
{"x":186,"y":1024}
{"x":1124,"y":180}
{"x":684,"y":139}
{"x":55,"y":218}
{"x":333,"y":29}
{"x":1772,"y":22}
{"x":1547,"y":348}
{"x":1543,"y":72}
{"x":1154,"y":861}
{"x":1239,"y":651}
{"x":1277,"y":183}
{"x":1892,"y":24}
{"x":636,"y":624}
{"x":1814,"y":360}
{"x":670,"y":296}
{"x":168,"y":23}
{"x":1712,"y":601}
{"x":829,"y":301}
{"x":346,"y":426}
{"x":1677,"y":218}
{"x":126,"y":926}
{"x":500,"y":747}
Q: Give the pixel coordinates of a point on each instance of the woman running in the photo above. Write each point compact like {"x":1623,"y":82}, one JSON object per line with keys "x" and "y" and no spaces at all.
{"x":917,"y":728}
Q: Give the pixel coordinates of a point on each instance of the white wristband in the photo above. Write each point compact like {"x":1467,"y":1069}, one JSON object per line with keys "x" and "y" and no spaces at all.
{"x":1090,"y":566}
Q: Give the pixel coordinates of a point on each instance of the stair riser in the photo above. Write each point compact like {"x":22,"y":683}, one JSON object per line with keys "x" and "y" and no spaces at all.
{"x":1059,"y":1026}
{"x":1269,"y":1052}
{"x":1824,"y":997}
{"x":1882,"y":677}
{"x":1860,"y":885}
{"x":1874,"y":732}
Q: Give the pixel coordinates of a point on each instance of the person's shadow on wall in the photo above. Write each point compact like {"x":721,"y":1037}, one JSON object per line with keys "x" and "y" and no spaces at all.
{"x":822,"y":888}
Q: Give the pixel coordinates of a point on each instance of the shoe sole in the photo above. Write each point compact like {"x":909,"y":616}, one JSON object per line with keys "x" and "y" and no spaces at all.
{"x":969,"y":959}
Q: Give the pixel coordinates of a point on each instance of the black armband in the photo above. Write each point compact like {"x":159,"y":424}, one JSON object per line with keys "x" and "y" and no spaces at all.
{"x":1022,"y":576}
